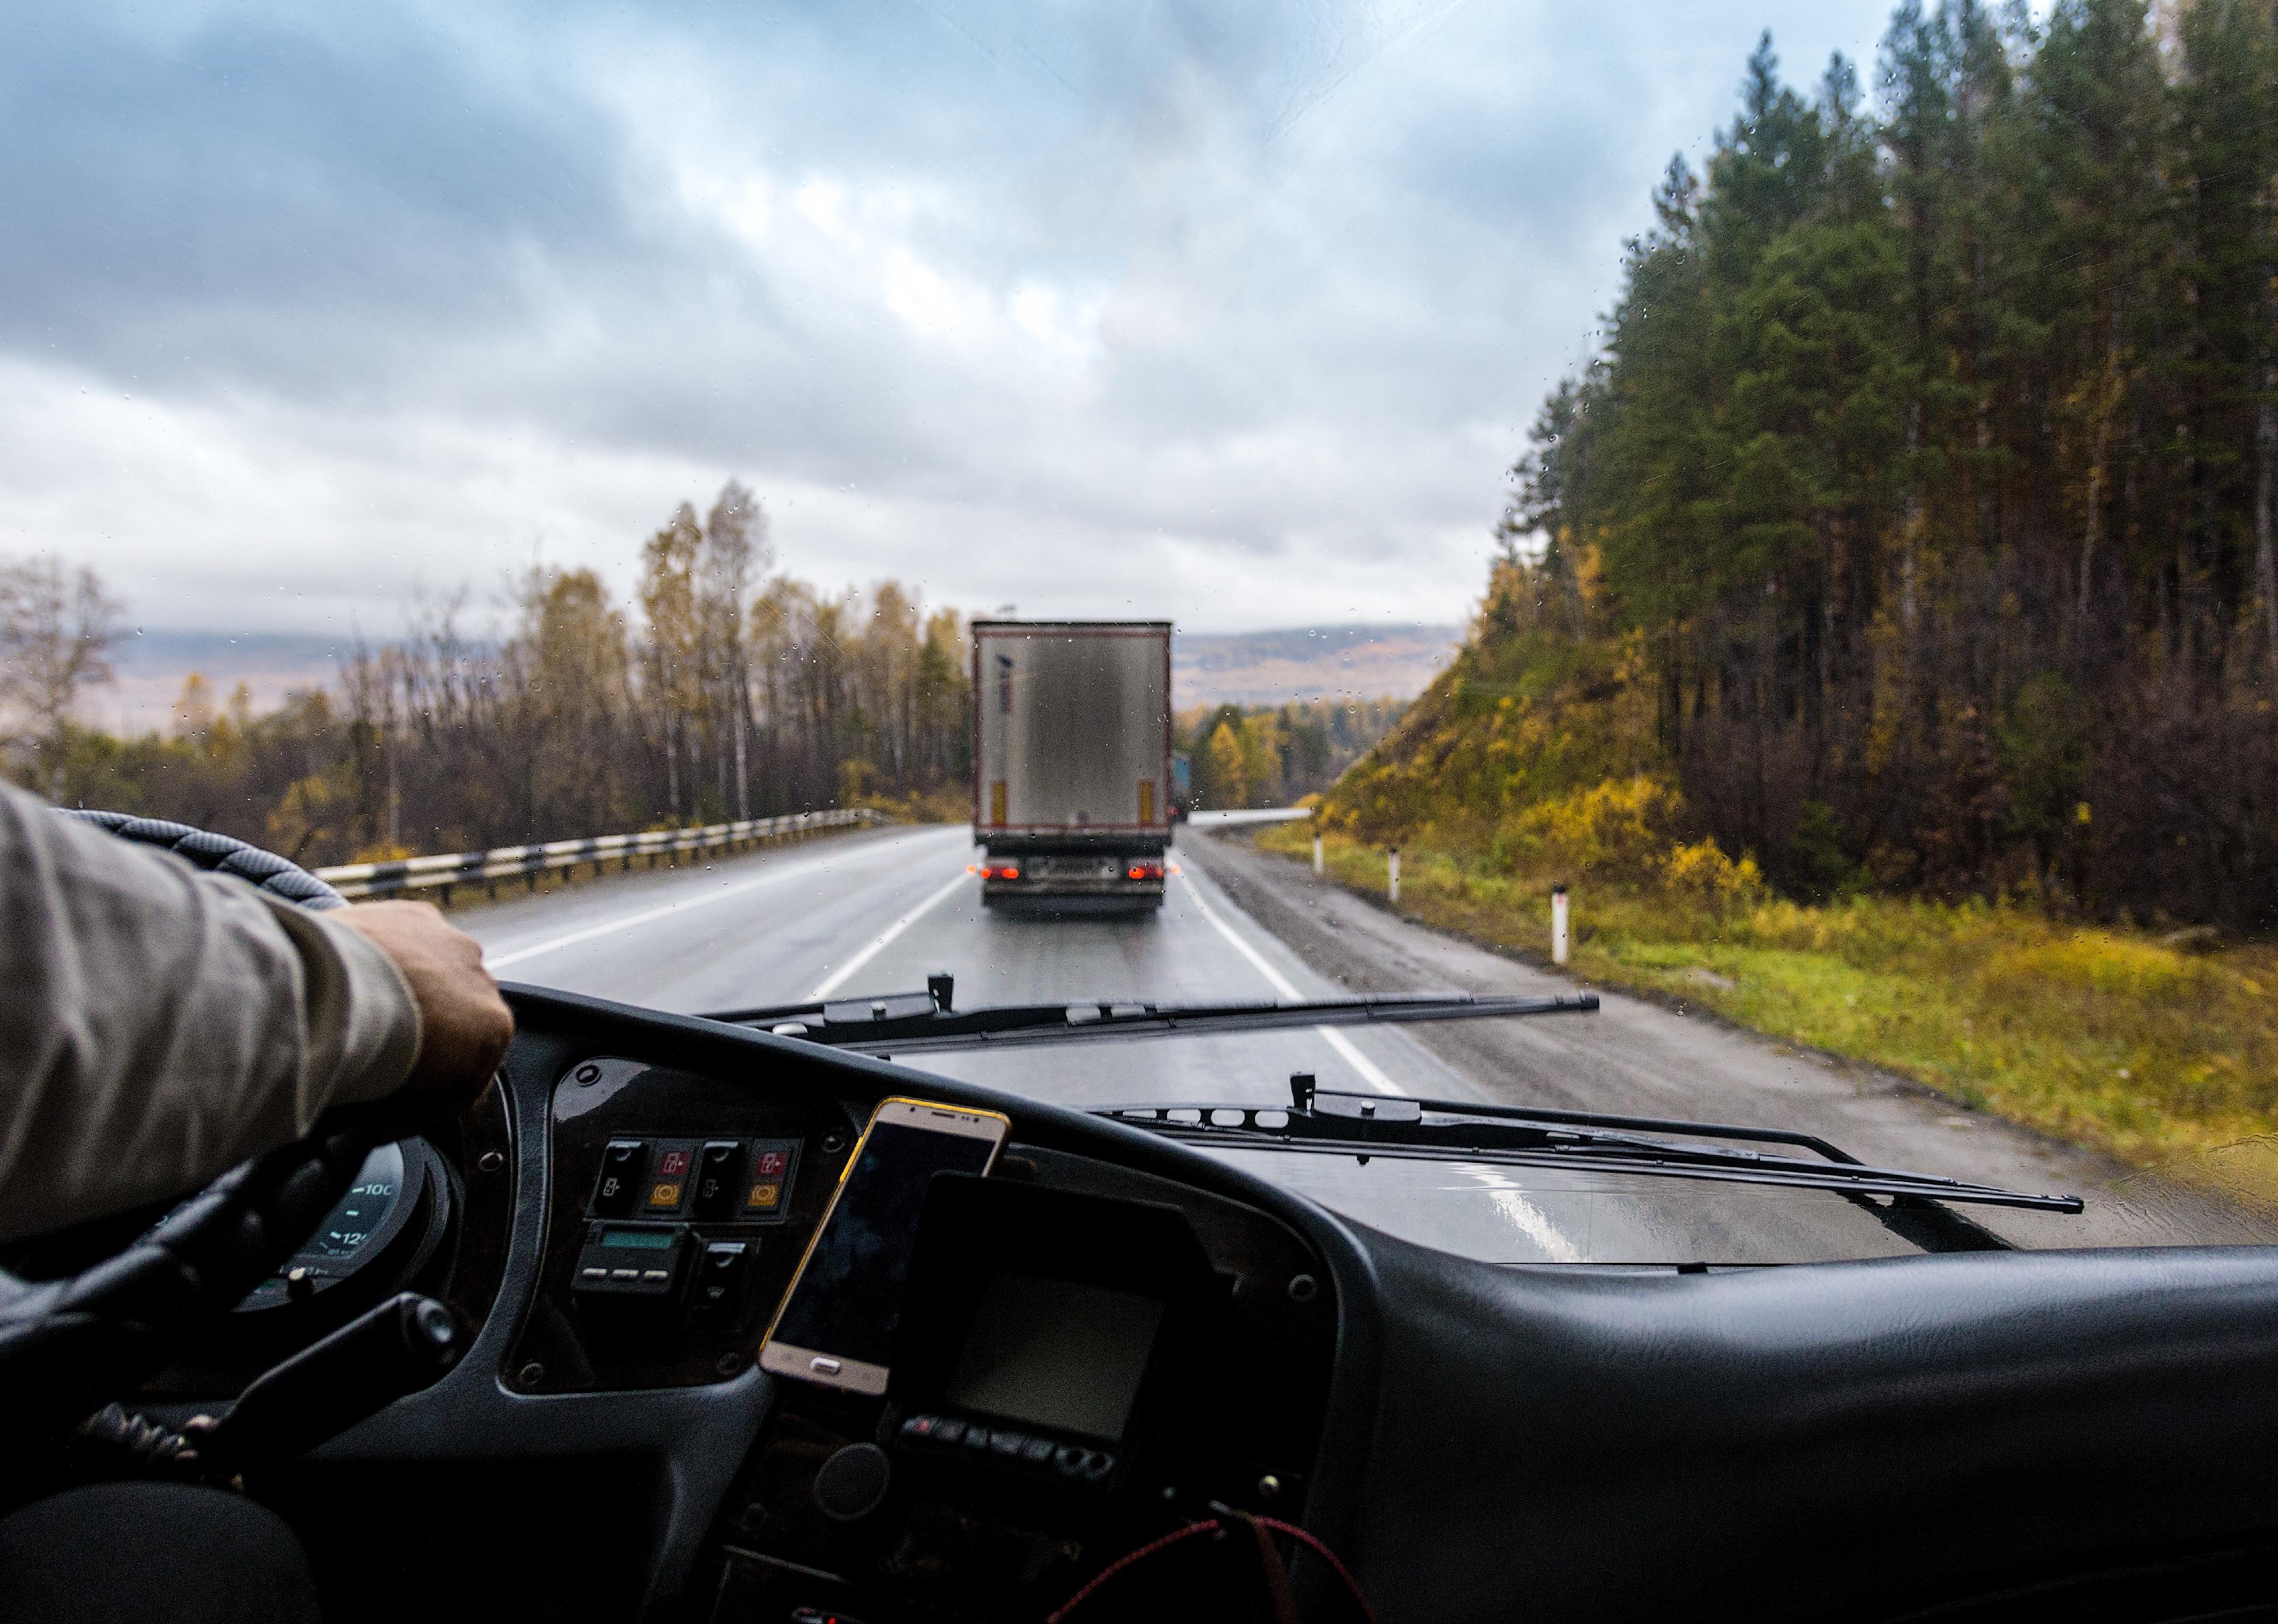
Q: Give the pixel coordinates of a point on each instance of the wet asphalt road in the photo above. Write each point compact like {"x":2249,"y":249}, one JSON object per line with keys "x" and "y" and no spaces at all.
{"x":876,"y":912}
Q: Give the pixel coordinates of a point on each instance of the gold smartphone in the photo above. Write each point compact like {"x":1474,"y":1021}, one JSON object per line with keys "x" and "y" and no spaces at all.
{"x":837,"y":1323}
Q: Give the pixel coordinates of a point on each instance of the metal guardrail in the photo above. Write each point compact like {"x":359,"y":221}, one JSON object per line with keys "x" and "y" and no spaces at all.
{"x":487,"y":868}
{"x":1257,"y":814}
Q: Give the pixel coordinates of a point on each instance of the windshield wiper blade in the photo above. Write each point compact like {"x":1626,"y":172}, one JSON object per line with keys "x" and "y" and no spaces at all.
{"x":924,"y":1023}
{"x":1366,"y":1126}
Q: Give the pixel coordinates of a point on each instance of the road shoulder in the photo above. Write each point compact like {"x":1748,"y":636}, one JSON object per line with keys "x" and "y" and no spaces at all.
{"x":1638,"y":1057}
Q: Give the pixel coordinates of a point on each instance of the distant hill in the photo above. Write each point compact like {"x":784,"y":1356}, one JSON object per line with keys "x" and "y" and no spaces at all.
{"x":152,"y":665}
{"x":1247,"y":667}
{"x":1308,"y":662}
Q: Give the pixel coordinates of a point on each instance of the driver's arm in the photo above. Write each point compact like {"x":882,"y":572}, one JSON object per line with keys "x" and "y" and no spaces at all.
{"x":158,"y":1025}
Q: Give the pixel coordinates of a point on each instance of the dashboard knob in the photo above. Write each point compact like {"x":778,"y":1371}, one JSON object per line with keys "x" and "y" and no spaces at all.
{"x":852,"y":1482}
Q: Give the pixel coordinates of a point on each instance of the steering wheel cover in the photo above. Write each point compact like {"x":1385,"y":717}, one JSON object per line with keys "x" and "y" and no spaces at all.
{"x":66,"y":1345}
{"x":220,"y":854}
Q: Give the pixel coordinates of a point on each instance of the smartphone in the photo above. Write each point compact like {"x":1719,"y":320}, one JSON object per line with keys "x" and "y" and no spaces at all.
{"x":837,"y":1323}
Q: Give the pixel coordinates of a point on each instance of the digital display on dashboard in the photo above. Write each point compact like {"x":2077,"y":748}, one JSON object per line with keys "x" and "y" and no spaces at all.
{"x":1056,"y":1354}
{"x":645,"y":1240}
{"x":848,"y":1301}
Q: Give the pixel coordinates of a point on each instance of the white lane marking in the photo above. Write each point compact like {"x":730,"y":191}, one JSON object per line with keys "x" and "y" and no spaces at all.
{"x":788,"y":871}
{"x":1281,"y":984}
{"x":836,"y":978}
{"x":1524,"y":1216}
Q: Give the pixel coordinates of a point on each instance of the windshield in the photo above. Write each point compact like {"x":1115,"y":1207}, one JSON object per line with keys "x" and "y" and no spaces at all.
{"x":1766,"y":514}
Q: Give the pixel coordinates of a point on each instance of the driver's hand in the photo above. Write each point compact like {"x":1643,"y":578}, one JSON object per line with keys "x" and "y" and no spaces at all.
{"x":464,"y":1023}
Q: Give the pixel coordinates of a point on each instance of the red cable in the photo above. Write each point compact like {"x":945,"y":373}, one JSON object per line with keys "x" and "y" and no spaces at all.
{"x":1109,"y":1572}
{"x":1211,"y":1526}
{"x":1352,"y":1585}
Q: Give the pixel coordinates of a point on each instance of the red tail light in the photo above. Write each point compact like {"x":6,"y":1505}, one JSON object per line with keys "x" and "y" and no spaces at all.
{"x":1000,"y":871}
{"x":1144,"y":871}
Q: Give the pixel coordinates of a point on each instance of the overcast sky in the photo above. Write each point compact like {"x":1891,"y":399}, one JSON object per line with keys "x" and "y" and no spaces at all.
{"x":1228,"y":312}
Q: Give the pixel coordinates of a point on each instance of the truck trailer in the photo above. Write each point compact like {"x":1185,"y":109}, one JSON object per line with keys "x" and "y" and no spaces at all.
{"x":1072,"y":795}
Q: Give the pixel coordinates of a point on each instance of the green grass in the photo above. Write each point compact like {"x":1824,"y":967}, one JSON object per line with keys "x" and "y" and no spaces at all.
{"x":2111,"y":1038}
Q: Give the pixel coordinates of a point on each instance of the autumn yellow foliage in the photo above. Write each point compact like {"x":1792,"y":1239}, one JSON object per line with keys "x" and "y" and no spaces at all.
{"x":1532,"y":762}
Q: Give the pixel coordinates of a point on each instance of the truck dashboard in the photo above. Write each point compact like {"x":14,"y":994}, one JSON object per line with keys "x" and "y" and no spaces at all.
{"x":1125,"y":1362}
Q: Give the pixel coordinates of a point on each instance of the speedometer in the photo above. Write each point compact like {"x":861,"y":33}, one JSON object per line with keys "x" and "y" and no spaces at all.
{"x":349,"y":1227}
{"x":387,"y":1224}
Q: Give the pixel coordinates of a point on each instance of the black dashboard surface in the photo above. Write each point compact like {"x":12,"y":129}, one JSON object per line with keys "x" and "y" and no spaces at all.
{"x":1872,"y":1439}
{"x":2009,"y":1435}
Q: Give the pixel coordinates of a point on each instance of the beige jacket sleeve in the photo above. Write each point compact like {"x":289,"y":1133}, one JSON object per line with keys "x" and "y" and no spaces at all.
{"x":159,"y":1024}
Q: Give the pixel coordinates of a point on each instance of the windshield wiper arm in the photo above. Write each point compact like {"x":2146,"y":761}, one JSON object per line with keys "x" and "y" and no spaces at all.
{"x":1366,"y":1126}
{"x":924,"y":1023}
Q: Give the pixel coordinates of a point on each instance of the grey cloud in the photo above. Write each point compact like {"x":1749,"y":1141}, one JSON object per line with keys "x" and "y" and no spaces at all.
{"x":1343,"y":249}
{"x":277,"y":198}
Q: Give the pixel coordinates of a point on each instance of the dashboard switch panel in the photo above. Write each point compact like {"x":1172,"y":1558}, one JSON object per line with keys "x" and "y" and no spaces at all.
{"x":737,"y":1173}
{"x":718,"y":1181}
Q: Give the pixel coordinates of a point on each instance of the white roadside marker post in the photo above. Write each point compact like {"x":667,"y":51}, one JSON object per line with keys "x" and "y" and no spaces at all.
{"x":1557,"y":923}
{"x":1392,"y":872}
{"x":1317,"y":854}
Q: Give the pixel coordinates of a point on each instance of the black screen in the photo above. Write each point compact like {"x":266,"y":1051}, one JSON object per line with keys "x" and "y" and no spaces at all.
{"x":1057,"y":1353}
{"x":849,"y":1298}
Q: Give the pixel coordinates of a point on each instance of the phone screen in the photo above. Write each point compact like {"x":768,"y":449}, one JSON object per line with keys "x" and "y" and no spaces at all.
{"x":847,"y":1301}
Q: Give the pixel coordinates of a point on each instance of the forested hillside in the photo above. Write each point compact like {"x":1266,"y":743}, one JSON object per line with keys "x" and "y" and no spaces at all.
{"x":1913,"y":529}
{"x":722,"y":691}
{"x":1271,"y":755}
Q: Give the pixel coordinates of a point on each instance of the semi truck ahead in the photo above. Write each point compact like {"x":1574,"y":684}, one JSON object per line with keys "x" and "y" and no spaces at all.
{"x":1072,"y":760}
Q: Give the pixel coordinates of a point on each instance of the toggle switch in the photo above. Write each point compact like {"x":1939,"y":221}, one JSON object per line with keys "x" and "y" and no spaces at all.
{"x":720,"y":1179}
{"x":624,"y":1166}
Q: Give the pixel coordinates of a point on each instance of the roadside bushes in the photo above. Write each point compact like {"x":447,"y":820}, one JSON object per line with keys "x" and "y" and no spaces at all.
{"x":1626,"y":832}
{"x":1702,"y":871}
{"x":1617,"y":827}
{"x":2098,"y":963}
{"x":2161,"y":1047}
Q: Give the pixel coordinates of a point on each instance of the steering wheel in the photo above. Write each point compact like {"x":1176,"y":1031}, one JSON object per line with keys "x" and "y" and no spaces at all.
{"x":67,"y":1345}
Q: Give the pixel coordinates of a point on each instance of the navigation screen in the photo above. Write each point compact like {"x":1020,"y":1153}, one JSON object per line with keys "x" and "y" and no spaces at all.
{"x":849,"y":1299}
{"x":1058,"y":1355}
